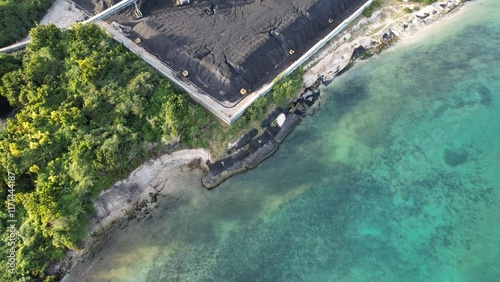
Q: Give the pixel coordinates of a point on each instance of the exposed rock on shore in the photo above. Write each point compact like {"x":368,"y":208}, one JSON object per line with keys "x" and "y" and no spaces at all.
{"x":131,"y":198}
{"x":376,"y":33}
{"x":151,"y":177}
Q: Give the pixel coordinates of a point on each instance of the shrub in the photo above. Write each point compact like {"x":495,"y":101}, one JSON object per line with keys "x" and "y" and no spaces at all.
{"x":368,"y":12}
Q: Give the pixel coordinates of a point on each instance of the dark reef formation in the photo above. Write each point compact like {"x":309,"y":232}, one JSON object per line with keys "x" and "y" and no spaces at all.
{"x":455,"y":157}
{"x":229,"y":45}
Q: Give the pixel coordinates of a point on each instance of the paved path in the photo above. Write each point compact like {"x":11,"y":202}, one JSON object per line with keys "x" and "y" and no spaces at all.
{"x":16,"y":46}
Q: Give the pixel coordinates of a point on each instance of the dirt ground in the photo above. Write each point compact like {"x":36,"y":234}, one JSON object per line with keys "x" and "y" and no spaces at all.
{"x":63,"y":13}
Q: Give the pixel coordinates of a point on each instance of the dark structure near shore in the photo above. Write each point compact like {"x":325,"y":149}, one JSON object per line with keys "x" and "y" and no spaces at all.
{"x":229,"y":48}
{"x":252,"y":152}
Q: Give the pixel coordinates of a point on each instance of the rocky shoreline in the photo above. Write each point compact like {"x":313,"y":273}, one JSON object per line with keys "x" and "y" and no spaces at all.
{"x":135,"y":196}
{"x":375,"y":34}
{"x":144,"y":184}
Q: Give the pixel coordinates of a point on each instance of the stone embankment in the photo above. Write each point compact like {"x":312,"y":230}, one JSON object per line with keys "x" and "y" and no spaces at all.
{"x":382,"y":29}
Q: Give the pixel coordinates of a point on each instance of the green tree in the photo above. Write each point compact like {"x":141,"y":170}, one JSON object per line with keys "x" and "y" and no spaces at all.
{"x":87,"y":112}
{"x":18,"y":16}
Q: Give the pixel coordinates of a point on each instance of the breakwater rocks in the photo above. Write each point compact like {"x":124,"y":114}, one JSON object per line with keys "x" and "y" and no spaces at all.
{"x":251,"y":148}
{"x":253,"y":151}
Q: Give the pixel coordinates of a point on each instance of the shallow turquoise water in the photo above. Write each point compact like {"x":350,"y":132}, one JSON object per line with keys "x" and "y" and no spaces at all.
{"x":396,"y":178}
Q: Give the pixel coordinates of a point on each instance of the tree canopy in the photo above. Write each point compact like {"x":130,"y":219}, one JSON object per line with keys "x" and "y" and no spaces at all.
{"x":87,"y":112}
{"x":18,"y":16}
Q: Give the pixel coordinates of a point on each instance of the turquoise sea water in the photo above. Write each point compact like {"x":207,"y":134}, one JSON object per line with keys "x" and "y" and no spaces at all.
{"x":396,"y":178}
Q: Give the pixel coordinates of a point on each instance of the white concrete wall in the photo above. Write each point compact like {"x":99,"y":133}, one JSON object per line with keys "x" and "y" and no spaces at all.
{"x":266,"y":88}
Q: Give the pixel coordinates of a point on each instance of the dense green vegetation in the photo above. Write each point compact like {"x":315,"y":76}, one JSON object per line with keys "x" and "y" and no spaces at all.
{"x":87,"y":113}
{"x":425,"y":2}
{"x":368,"y":12}
{"x":280,"y":95}
{"x":9,"y":63}
{"x":18,"y":16}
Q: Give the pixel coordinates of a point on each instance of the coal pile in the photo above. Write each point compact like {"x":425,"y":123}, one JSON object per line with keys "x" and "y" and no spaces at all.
{"x":230,"y":47}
